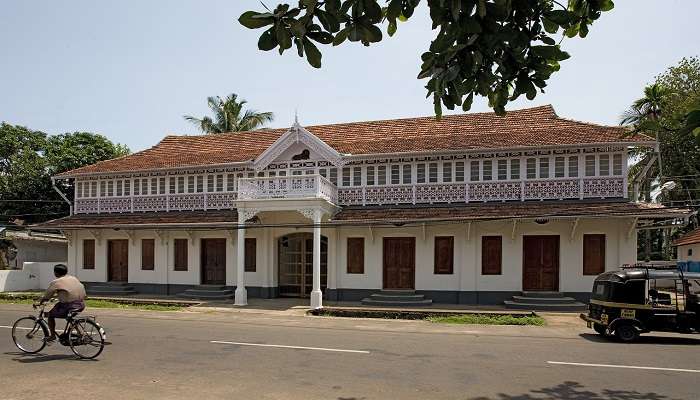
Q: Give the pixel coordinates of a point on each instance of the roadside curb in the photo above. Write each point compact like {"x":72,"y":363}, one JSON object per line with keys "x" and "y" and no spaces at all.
{"x":119,"y":300}
{"x":409,"y":314}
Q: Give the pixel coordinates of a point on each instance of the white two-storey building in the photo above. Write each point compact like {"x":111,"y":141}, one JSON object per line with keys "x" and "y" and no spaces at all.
{"x":469,"y":209}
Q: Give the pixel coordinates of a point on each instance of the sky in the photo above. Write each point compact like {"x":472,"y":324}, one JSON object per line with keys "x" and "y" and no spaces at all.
{"x":131,"y":69}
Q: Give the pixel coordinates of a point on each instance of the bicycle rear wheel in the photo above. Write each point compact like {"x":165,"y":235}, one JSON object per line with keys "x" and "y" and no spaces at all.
{"x":29,"y":335}
{"x":86,"y":338}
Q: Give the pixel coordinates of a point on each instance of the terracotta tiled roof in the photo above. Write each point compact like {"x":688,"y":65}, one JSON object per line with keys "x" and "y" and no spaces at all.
{"x":691,"y":237}
{"x":532,"y":127}
{"x":145,"y":220}
{"x":392,"y":215}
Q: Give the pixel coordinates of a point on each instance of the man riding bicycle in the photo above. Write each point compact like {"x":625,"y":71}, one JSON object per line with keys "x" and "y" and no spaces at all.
{"x":71,"y":296}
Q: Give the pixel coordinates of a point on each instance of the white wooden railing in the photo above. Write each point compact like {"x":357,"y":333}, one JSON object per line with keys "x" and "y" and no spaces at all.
{"x":287,"y":187}
{"x":316,"y":186}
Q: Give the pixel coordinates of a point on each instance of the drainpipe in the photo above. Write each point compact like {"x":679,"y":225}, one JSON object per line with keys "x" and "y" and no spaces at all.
{"x":63,"y":196}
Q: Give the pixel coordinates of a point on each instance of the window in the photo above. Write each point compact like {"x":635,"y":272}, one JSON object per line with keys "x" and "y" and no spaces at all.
{"x":102,"y":188}
{"x":346,"y":176}
{"x":230,"y":185}
{"x":93,"y":189}
{"x":444,"y":254}
{"x":590,"y":165}
{"x":137,"y":187}
{"x":79,"y":189}
{"x":604,"y":166}
{"x":370,"y":176}
{"x":172,"y":185}
{"x":432,"y":172}
{"x":559,"y":167}
{"x":356,"y":256}
{"x":180,"y":256}
{"x":110,"y":188}
{"x":144,"y":186}
{"x":544,"y":167}
{"x":459,"y":171}
{"x":420,"y":173}
{"x":474,"y":171}
{"x":447,"y":172}
{"x":491,"y":255}
{"x":219,"y":183}
{"x":333,"y":174}
{"x":406,"y":178}
{"x":690,"y":253}
{"x":181,"y":184}
{"x":357,"y":176}
{"x":89,"y":254}
{"x":515,"y":168}
{"x":381,"y":175}
{"x":487,"y":173}
{"x":573,"y":167}
{"x":119,"y":188}
{"x":502,"y":170}
{"x":593,"y":254}
{"x":154,"y":185}
{"x":323,"y":172}
{"x":127,"y":187}
{"x":147,"y":254}
{"x":395,"y":175}
{"x":190,"y":184}
{"x":617,"y":164}
{"x":250,"y":254}
{"x":210,"y":183}
{"x":531,"y":168}
{"x":162,"y":186}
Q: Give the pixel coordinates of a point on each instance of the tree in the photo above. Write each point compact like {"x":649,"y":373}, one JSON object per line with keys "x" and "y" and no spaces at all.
{"x":29,"y":158}
{"x":229,"y":116}
{"x":499,"y":49}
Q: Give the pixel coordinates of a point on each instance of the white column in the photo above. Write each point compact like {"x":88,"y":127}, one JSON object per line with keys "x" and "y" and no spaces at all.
{"x":241,"y":295}
{"x":316,"y":295}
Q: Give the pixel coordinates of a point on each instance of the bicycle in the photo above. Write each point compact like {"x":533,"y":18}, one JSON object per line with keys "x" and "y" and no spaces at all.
{"x":83,"y":335}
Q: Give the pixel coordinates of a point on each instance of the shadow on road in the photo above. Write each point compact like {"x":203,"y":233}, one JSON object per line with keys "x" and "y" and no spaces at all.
{"x":38,"y":358}
{"x":575,"y":391}
{"x":645,"y":339}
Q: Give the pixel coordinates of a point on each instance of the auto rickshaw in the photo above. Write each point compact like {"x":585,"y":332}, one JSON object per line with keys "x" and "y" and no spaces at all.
{"x":641,"y":299}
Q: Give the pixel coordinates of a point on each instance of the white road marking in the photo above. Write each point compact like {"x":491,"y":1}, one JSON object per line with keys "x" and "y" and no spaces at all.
{"x":292,"y":347}
{"x":19,"y":327}
{"x":624,"y":366}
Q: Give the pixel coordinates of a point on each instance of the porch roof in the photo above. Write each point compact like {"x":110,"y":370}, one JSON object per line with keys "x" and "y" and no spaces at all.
{"x":691,"y":237}
{"x":156,"y":220}
{"x":499,"y":211}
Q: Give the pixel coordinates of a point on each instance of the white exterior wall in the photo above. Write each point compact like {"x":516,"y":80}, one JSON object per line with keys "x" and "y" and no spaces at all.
{"x":620,"y":249}
{"x":683,"y":252}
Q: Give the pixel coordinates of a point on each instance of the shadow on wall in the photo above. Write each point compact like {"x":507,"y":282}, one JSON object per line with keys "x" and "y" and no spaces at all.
{"x":575,"y":391}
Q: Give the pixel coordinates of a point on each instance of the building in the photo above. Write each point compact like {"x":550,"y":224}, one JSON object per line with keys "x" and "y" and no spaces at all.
{"x":688,"y":246}
{"x":472,"y":208}
{"x":30,"y":246}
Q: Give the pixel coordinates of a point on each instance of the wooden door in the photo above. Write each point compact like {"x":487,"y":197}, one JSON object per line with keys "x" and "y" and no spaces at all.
{"x":541,"y":263}
{"x":213,"y":261}
{"x":399,"y":263}
{"x":118,"y":260}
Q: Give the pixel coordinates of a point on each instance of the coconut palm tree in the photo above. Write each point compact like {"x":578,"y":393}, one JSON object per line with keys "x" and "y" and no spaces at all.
{"x":229,"y":116}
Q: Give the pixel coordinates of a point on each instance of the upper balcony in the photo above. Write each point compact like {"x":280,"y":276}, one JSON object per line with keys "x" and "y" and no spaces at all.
{"x":288,"y":187}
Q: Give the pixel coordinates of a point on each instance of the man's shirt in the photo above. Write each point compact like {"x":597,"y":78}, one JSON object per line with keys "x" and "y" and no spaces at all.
{"x":68,"y":289}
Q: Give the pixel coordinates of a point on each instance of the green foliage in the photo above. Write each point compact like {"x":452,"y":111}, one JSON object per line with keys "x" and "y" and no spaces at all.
{"x":98,"y":303}
{"x":499,"y":49}
{"x":29,"y":158}
{"x":229,"y":115}
{"x":488,"y":319}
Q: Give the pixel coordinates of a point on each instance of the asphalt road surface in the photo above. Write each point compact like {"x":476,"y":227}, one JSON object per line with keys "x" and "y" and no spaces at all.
{"x":229,"y":355}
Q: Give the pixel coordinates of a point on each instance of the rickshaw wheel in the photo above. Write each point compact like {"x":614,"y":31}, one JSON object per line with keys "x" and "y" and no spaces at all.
{"x":601,"y":329}
{"x":626,"y":333}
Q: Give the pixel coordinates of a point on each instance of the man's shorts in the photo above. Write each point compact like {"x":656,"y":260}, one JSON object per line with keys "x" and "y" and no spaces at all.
{"x":61,"y":310}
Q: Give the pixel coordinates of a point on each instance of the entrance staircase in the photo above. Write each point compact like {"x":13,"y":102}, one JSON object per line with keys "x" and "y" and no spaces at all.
{"x":110,"y":289}
{"x":544,"y":301}
{"x":397,"y":298}
{"x":208,"y":292}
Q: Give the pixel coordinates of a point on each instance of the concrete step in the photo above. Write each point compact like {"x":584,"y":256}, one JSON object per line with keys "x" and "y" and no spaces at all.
{"x":201,"y":292}
{"x":224,"y":296}
{"x":545,"y":307}
{"x":210,"y":287}
{"x":108,"y":292}
{"x":544,"y":300}
{"x":397,"y":292}
{"x":543,"y":294}
{"x":383,"y":296}
{"x":390,"y":303}
{"x":101,"y":284}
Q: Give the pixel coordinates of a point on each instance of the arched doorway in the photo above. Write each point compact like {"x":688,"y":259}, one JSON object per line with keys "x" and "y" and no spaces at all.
{"x":295,"y":261}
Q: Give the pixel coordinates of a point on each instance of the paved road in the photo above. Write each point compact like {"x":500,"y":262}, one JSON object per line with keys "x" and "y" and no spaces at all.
{"x":203,"y":355}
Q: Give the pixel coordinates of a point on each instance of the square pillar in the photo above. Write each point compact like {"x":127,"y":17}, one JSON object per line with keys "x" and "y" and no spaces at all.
{"x":316,"y":294}
{"x":241,"y":295}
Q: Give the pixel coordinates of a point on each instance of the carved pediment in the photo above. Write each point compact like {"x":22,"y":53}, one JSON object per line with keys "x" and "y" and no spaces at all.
{"x":295,"y":137}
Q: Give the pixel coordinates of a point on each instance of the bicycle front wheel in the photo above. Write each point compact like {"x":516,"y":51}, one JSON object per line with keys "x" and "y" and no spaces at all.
{"x":29,"y":335}
{"x":86,"y":338}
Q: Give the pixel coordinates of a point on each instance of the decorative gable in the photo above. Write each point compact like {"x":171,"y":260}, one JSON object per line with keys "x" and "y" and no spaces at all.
{"x":300,"y":144}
